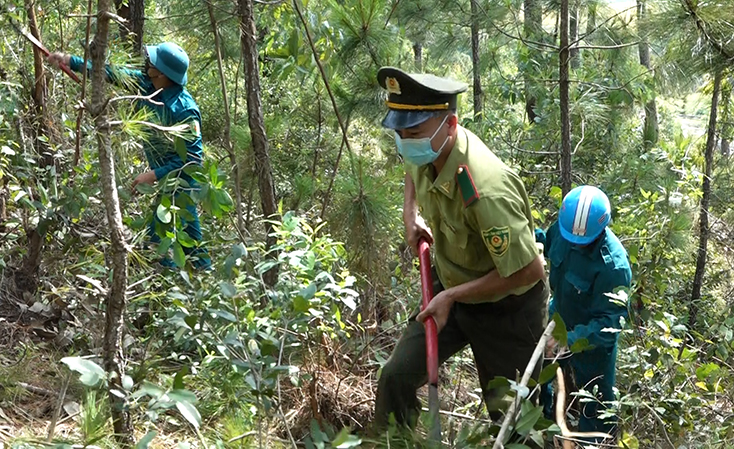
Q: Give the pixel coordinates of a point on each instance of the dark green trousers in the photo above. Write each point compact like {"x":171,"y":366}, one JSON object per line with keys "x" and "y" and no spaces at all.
{"x":502,"y":336}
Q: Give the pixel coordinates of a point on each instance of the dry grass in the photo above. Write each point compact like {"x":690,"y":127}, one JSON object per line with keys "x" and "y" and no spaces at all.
{"x":340,"y":400}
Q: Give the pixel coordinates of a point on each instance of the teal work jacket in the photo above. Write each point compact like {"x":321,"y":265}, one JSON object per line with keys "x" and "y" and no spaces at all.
{"x":580,"y":277}
{"x":177,"y":107}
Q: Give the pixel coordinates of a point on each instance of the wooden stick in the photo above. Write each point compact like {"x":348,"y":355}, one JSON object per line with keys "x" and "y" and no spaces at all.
{"x":567,"y":434}
{"x":57,"y":412}
{"x":510,"y":415}
{"x":561,"y":408}
{"x":36,"y":390}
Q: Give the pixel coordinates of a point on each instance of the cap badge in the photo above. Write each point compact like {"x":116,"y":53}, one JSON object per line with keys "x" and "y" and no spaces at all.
{"x":393,"y":87}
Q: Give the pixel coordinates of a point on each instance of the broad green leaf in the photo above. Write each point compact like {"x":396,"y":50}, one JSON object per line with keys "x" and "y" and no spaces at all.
{"x":145,"y":189}
{"x":180,"y":147}
{"x":308,"y":292}
{"x":348,"y":301}
{"x":91,"y":373}
{"x":227,"y":289}
{"x":557,"y":194}
{"x":704,"y":371}
{"x":560,"y":334}
{"x":178,"y":255}
{"x":149,"y":389}
{"x":629,"y":441}
{"x":164,"y":245}
{"x":300,"y":304}
{"x":164,"y":214}
{"x":178,"y":380}
{"x":190,"y":413}
{"x":580,"y":345}
{"x":548,"y":373}
{"x":127,"y":382}
{"x":527,"y":421}
{"x":146,"y":440}
{"x":239,"y":250}
{"x":218,"y":313}
{"x":182,"y":395}
{"x":266,"y":265}
{"x":185,"y":240}
{"x":345,"y":440}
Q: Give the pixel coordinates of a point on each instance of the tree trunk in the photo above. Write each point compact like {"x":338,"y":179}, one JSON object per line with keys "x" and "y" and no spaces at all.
{"x":137,"y":23}
{"x":564,"y":88}
{"x":533,"y":25}
{"x":725,"y":117}
{"x":650,"y":129}
{"x":227,"y":121}
{"x":705,"y":199}
{"x":116,"y":301}
{"x":26,"y":277}
{"x":133,"y":11}
{"x":123,"y":10}
{"x":257,"y":124}
{"x":573,"y":31}
{"x":39,"y":92}
{"x":319,"y":138}
{"x":418,"y":56}
{"x":478,"y":107}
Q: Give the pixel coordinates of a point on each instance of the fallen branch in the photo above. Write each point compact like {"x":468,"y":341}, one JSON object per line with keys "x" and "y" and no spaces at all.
{"x":148,"y":98}
{"x":459,"y":415}
{"x":510,"y":415}
{"x":57,"y":412}
{"x":80,"y":114}
{"x":561,"y":408}
{"x":567,"y":435}
{"x":36,"y":390}
{"x":280,"y":397}
{"x":244,"y":435}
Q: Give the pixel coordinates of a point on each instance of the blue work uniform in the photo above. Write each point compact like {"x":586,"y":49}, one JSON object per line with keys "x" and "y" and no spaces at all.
{"x":177,"y":107}
{"x":579,"y":278}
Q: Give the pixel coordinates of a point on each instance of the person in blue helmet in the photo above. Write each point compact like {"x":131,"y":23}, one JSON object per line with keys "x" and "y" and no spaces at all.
{"x":165,"y":72}
{"x":587,"y":261}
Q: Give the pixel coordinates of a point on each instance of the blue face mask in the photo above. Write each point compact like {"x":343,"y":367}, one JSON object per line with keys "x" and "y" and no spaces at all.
{"x":419,"y":151}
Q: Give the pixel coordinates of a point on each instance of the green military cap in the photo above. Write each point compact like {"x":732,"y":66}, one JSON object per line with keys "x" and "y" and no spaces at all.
{"x":413,"y":98}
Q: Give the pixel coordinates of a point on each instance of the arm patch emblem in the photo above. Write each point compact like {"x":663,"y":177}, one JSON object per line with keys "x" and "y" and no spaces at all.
{"x":497,"y":240}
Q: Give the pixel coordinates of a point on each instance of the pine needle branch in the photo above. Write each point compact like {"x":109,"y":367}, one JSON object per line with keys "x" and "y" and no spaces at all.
{"x":691,"y":10}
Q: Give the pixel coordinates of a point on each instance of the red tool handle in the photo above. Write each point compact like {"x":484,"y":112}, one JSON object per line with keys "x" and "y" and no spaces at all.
{"x":71,"y":74}
{"x":63,"y":67}
{"x":424,"y":257}
{"x":36,"y":43}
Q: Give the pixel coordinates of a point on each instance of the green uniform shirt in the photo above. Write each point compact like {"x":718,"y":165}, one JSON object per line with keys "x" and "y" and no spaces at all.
{"x":480,"y":227}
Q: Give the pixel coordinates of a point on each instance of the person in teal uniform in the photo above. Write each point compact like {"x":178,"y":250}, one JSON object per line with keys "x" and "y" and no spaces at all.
{"x":587,"y":261}
{"x":165,"y":72}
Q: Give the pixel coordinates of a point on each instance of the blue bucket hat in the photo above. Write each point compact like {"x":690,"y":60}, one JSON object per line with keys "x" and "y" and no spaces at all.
{"x":170,"y":59}
{"x":413,"y":98}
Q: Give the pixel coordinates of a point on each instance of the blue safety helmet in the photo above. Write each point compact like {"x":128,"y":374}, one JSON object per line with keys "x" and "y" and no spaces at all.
{"x":585,"y":212}
{"x":170,"y":59}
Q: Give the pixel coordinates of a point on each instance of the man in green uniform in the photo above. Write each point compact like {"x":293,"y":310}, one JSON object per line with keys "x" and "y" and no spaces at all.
{"x":490,"y":290}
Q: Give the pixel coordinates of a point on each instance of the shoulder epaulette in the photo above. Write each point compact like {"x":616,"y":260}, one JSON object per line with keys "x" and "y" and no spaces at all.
{"x":466,"y":184}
